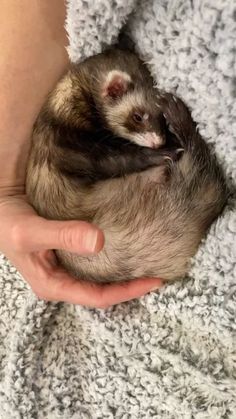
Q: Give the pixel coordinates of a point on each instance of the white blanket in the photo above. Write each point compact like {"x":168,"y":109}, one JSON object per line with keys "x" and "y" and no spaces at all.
{"x":171,"y":354}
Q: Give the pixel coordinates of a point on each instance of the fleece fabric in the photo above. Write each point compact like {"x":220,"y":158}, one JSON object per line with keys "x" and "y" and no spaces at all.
{"x":170,"y":354}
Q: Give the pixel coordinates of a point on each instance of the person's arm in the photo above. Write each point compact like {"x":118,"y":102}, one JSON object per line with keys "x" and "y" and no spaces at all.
{"x":33,"y":57}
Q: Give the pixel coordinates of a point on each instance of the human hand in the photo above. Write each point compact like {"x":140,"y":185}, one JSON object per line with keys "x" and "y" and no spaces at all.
{"x":26,"y":239}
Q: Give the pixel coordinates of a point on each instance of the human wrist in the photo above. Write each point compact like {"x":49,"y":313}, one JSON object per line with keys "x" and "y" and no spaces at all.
{"x":13,"y":153}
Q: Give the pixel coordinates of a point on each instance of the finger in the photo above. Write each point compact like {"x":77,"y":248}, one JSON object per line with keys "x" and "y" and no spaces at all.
{"x":55,"y":284}
{"x":40,"y":234}
{"x":103,"y":296}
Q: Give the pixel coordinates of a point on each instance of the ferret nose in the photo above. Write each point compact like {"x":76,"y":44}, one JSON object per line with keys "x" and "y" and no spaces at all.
{"x":154,"y":140}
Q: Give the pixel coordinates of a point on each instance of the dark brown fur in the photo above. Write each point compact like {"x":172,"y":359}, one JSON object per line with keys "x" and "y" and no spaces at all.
{"x":152,"y":224}
{"x":82,"y":128}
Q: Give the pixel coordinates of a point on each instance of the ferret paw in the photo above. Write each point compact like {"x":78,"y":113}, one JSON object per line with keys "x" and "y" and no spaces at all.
{"x":164,"y":156}
{"x":174,"y":155}
{"x":171,"y":156}
{"x":178,"y":117}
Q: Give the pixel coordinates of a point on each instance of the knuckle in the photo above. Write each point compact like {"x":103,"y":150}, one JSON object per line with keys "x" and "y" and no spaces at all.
{"x":102,"y":304}
{"x":18,"y":237}
{"x":66,"y":237}
{"x":39,"y":287}
{"x":38,"y":293}
{"x":41,"y":295}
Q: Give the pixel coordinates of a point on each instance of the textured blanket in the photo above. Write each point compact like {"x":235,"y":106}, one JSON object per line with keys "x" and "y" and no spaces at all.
{"x":171,"y":354}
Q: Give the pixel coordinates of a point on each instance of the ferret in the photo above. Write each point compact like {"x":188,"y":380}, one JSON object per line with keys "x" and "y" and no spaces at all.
{"x":103,"y":120}
{"x":106,"y":149}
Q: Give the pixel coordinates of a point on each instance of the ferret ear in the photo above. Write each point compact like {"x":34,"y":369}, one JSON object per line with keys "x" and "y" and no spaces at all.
{"x":116,"y":84}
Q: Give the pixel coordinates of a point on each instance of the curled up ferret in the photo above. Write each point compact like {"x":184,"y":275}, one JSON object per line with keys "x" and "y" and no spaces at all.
{"x":109,"y":149}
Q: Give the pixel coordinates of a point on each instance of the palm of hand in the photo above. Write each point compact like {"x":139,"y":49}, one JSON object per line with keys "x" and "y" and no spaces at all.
{"x":27,"y":240}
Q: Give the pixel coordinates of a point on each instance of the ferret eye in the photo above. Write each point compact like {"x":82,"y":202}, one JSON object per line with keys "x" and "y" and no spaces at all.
{"x":137,"y":117}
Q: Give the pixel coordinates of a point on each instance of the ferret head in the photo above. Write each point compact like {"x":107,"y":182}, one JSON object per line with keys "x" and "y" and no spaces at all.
{"x":131,"y":111}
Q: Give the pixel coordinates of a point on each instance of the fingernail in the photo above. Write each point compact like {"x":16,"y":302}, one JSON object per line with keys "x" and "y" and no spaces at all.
{"x":94,"y":241}
{"x":157,"y":287}
{"x":90,"y":241}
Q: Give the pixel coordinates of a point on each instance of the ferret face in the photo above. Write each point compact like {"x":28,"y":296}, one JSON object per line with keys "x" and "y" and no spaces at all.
{"x":130,"y":111}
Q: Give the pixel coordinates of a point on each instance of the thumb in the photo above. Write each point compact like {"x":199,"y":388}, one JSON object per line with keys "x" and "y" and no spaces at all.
{"x":74,"y":236}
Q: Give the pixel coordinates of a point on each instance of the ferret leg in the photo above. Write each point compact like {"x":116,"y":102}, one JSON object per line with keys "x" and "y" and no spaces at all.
{"x":128,"y":159}
{"x":178,"y":118}
{"x":136,"y":159}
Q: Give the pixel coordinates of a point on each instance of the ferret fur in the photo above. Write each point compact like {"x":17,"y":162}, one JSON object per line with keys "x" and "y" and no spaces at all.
{"x":154,"y":219}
